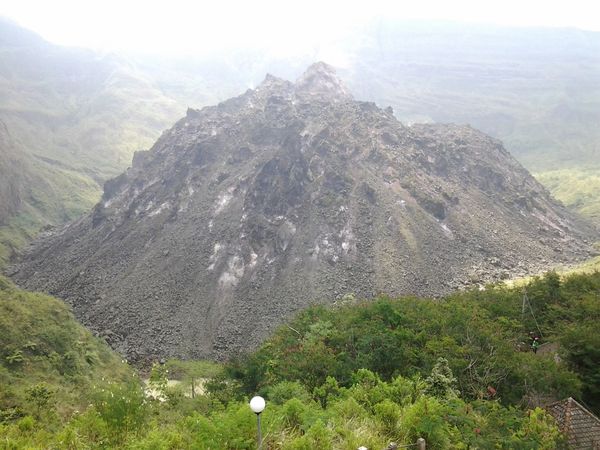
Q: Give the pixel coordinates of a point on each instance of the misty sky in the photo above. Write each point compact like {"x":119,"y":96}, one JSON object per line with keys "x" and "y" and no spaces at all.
{"x":177,"y":26}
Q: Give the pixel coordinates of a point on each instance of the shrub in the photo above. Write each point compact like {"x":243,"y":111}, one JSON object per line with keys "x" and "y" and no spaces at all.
{"x":318,"y":437}
{"x":387,"y":413}
{"x":122,"y":407}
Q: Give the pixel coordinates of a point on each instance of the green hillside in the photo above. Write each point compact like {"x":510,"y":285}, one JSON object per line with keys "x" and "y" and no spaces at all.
{"x":578,"y":188}
{"x":70,"y":119}
{"x":49,"y":363}
{"x":35,"y":195}
{"x":457,"y":371}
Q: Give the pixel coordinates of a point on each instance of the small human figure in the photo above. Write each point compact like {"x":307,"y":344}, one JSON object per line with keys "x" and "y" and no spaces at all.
{"x":535,"y":344}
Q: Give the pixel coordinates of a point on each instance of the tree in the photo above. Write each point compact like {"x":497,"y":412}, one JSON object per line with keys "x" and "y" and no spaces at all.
{"x":441,"y":383}
{"x":40,"y":395}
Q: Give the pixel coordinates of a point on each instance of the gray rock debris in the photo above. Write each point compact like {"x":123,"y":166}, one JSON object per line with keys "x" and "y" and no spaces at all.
{"x":247,"y":211}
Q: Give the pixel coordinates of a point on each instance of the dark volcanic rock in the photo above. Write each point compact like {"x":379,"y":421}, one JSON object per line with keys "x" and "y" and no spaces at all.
{"x":247,"y":211}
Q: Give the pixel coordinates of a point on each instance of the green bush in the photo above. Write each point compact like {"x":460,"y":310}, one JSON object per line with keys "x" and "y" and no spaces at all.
{"x":426,"y":419}
{"x":293,"y":412}
{"x":122,"y":407}
{"x":387,"y":413}
{"x":286,"y":390}
{"x":317,"y":437}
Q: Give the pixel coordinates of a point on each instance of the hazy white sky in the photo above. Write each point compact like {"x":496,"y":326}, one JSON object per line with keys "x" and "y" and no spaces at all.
{"x":184,"y":26}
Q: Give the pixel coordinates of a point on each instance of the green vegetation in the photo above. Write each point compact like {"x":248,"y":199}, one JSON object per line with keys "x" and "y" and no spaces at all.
{"x":70,"y":119}
{"x":457,"y":371}
{"x":590,"y":266}
{"x":578,"y":188}
{"x":48,"y":362}
{"x":50,"y":197}
{"x":483,"y":334}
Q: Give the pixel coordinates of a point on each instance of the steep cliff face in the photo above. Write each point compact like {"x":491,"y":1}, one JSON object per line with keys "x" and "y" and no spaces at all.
{"x":293,"y":193}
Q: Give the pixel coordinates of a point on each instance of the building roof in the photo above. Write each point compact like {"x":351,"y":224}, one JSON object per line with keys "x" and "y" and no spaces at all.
{"x":580,"y":426}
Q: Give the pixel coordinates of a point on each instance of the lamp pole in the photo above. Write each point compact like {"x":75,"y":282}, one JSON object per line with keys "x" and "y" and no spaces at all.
{"x":257,"y":405}
{"x":259,"y":434}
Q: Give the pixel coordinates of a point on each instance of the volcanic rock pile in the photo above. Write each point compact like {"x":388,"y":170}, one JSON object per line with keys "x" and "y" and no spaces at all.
{"x":293,"y":193}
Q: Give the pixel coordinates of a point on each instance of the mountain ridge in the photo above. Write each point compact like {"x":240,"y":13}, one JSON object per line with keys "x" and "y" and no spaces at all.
{"x":73,"y":118}
{"x":244,"y":212}
{"x":77,"y":116}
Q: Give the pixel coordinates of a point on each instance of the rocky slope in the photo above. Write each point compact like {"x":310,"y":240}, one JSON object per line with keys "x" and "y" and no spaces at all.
{"x":293,"y":193}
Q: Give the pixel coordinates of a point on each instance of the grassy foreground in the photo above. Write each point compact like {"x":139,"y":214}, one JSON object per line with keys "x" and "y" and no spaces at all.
{"x":458,"y":372}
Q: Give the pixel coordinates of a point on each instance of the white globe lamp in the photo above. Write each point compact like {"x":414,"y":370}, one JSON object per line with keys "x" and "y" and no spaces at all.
{"x":257,"y":405}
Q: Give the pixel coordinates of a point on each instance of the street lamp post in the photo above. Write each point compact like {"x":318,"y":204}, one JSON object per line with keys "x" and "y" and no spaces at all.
{"x":257,"y":405}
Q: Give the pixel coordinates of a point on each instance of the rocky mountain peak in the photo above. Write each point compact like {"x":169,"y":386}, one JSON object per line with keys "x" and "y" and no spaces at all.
{"x":320,"y":81}
{"x":244,"y":213}
{"x":273,"y":82}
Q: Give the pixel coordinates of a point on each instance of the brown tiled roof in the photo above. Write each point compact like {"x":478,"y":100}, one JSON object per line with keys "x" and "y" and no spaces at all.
{"x":579,"y":425}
